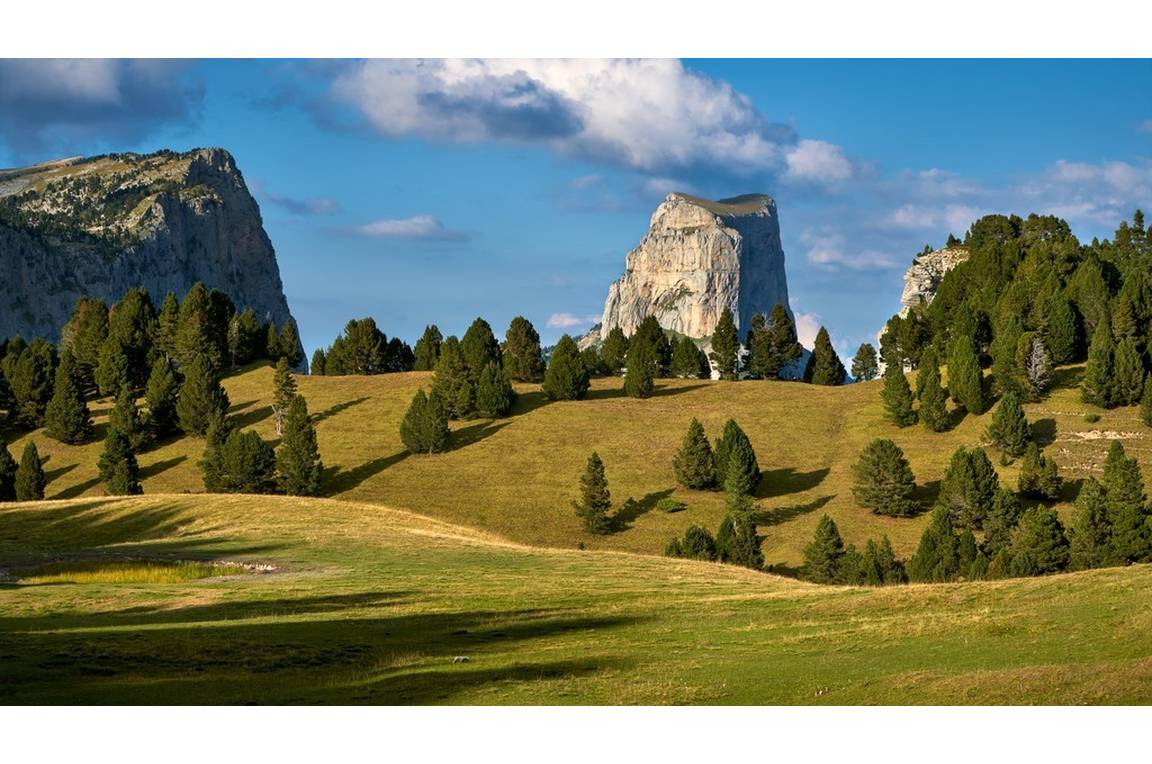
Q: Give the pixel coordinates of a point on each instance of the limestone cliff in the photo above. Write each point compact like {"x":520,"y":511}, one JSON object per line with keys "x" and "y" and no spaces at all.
{"x":102,"y":225}
{"x":924,"y":276}
{"x":697,"y":258}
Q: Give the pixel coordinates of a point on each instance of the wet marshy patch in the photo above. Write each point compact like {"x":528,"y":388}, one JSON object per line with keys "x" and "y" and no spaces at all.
{"x":132,"y":571}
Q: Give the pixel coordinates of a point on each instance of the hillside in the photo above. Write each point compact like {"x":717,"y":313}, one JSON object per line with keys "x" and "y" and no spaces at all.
{"x":370,"y":605}
{"x":516,"y":477}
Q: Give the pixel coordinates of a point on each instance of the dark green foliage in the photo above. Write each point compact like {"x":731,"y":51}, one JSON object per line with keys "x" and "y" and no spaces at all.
{"x":651,"y":332}
{"x":1061,"y":329}
{"x":697,"y":544}
{"x":427,"y":350}
{"x":200,"y":396}
{"x":7,"y":400}
{"x":361,"y":349}
{"x":1038,"y":543}
{"x":897,"y":396}
{"x":198,"y":333}
{"x":726,"y":346}
{"x":1090,"y":537}
{"x":1146,"y":402}
{"x":30,"y":480}
{"x":112,"y":373}
{"x":132,"y":321}
{"x":937,"y":557}
{"x":522,"y":357}
{"x":452,"y":384}
{"x":292,"y":351}
{"x":933,"y":411}
{"x":8,"y":469}
{"x":614,"y":351}
{"x":1033,"y":366}
{"x":31,"y":382}
{"x":968,"y":488}
{"x":283,"y":392}
{"x":758,"y":361}
{"x":1128,"y":372}
{"x":1089,"y":292}
{"x":118,"y":467}
{"x":736,"y":465}
{"x":824,"y":366}
{"x":494,"y":393}
{"x":245,"y":337}
{"x":1001,"y":521}
{"x":737,"y":541}
{"x":1130,"y":309}
{"x":884,"y":481}
{"x":781,"y":348}
{"x":1039,"y":477}
{"x":84,"y":335}
{"x":824,"y":556}
{"x":1127,"y":507}
{"x":1005,"y":376}
{"x":566,"y":378}
{"x":643,"y":368}
{"x":243,"y":463}
{"x":965,"y":379}
{"x":167,"y":326}
{"x":865,"y":366}
{"x":694,"y":463}
{"x":298,"y":464}
{"x":595,"y":499}
{"x":160,"y":394}
{"x":424,"y":429}
{"x":689,"y":361}
{"x":66,"y":418}
{"x":1008,"y":429}
{"x":479,"y":348}
{"x":904,"y":339}
{"x":125,"y":419}
{"x":319,"y":365}
{"x":592,"y":361}
{"x":879,"y":566}
{"x":1098,"y":385}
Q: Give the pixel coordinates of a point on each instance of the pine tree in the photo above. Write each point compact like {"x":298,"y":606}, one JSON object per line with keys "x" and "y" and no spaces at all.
{"x":244,"y":463}
{"x":245,"y":335}
{"x":897,"y":396}
{"x":1009,"y":429}
{"x":968,"y":488}
{"x":195,"y":333}
{"x":694,"y":463}
{"x":865,"y":367}
{"x":824,"y":366}
{"x":614,"y":351}
{"x":1005,"y":372}
{"x":272,"y":342}
{"x":132,"y":322}
{"x":784,"y":347}
{"x":741,"y":543}
{"x":1098,"y":384}
{"x":736,"y":464}
{"x":824,"y":555}
{"x":494,"y":393}
{"x":361,"y":349}
{"x":298,"y":464}
{"x":200,"y":395}
{"x":590,"y":357}
{"x":689,"y":361}
{"x":1001,"y":521}
{"x":424,"y":429}
{"x":479,"y":347}
{"x":937,"y":557}
{"x":112,"y":374}
{"x":319,"y":365}
{"x":84,"y":335}
{"x":452,"y":384}
{"x":160,"y":394}
{"x":283,"y":392}
{"x":1039,"y":476}
{"x":880,"y":566}
{"x":427,"y":350}
{"x":126,"y":420}
{"x":1040,"y":539}
{"x":167,"y":324}
{"x":522,"y":357}
{"x":884,"y":481}
{"x":1128,"y":372}
{"x":643,"y":367}
{"x":726,"y":346}
{"x":566,"y":378}
{"x":1061,"y":329}
{"x":651,"y":332}
{"x":67,"y":418}
{"x":1090,"y":537}
{"x":595,"y":499}
{"x":30,"y":480}
{"x":965,"y":379}
{"x":31,"y":380}
{"x":1033,"y":366}
{"x":933,"y":411}
{"x":290,"y":348}
{"x":118,"y":467}
{"x":1127,"y":507}
{"x":1089,"y":292}
{"x":698,"y":544}
{"x":8,"y":468}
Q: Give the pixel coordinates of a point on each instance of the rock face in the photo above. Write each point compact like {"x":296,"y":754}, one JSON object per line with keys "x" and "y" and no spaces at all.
{"x":103,"y":225}
{"x":923,"y":278}
{"x":698,"y":258}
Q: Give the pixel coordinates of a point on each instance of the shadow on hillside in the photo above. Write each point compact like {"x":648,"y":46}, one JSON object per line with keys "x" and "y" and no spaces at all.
{"x":77,"y":490}
{"x":526,"y":403}
{"x":781,"y":515}
{"x":631,"y":509}
{"x":250,"y":417}
{"x":50,"y":475}
{"x":1044,"y":432}
{"x":926,"y":495}
{"x":332,"y":411}
{"x":335,"y":480}
{"x":474,"y":433}
{"x":661,"y":391}
{"x":152,"y":470}
{"x":788,"y":480}
{"x":955,"y":418}
{"x":1067,"y":376}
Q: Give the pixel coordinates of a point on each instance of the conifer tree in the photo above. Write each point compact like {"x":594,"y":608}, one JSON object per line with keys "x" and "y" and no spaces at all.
{"x":424,"y":429}
{"x":651,"y":332}
{"x":933,"y":411}
{"x":1033,"y":366}
{"x":243,"y":463}
{"x":824,"y":366}
{"x":694,"y":463}
{"x":1127,"y":507}
{"x":126,"y":420}
{"x":160,"y":394}
{"x":1009,"y":429}
{"x":30,"y":480}
{"x":1098,"y":385}
{"x":112,"y":369}
{"x":1089,"y":292}
{"x":590,"y":357}
{"x":1090,"y":537}
{"x":522,"y":357}
{"x":1128,"y":372}
{"x":118,"y":467}
{"x":642,"y":369}
{"x":937,"y":557}
{"x":566,"y":378}
{"x":7,"y":400}
{"x":1039,"y":539}
{"x":595,"y":499}
{"x":427,"y":350}
{"x":31,"y":381}
{"x":452,"y":384}
{"x":614,"y":351}
{"x":726,"y":346}
{"x":132,"y":321}
{"x":196,"y":334}
{"x":245,"y":337}
{"x":880,"y":566}
{"x":167,"y":324}
{"x":479,"y":347}
{"x":1005,"y":372}
{"x":298,"y":464}
{"x":84,"y":335}
{"x":283,"y":392}
{"x":784,"y":347}
{"x":8,"y":468}
{"x":319,"y":364}
{"x":272,"y":343}
{"x":66,"y":417}
{"x":884,"y":481}
{"x":494,"y":393}
{"x":965,"y":379}
{"x":200,"y":396}
{"x":736,"y":465}
{"x":740,"y":543}
{"x":824,"y":555}
{"x":689,"y":361}
{"x":865,"y":367}
{"x":757,"y":342}
{"x":1001,"y":521}
{"x":1061,"y":329}
{"x":968,"y":488}
{"x":897,"y":396}
{"x":290,"y":348}
{"x":1039,"y":476}
{"x":698,"y":544}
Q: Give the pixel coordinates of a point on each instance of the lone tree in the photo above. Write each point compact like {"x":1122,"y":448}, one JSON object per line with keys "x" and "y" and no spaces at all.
{"x":1090,"y":537}
{"x":200,"y":396}
{"x":522,"y":357}
{"x":933,"y":398}
{"x":643,"y":367}
{"x":595,"y":500}
{"x":160,"y":395}
{"x":897,"y":396}
{"x":283,"y":393}
{"x":244,"y":463}
{"x":298,"y":464}
{"x":8,"y":470}
{"x":726,"y":346}
{"x":118,"y":467}
{"x":965,"y":379}
{"x":1098,"y":385}
{"x":736,"y":464}
{"x":968,"y":488}
{"x":1039,"y":477}
{"x":30,"y":481}
{"x":425,"y":426}
{"x":824,"y":366}
{"x":737,"y":541}
{"x":566,"y":378}
{"x":452,"y":384}
{"x":67,"y":418}
{"x":494,"y":393}
{"x":884,"y":481}
{"x":694,"y":463}
{"x":614,"y":351}
{"x":1009,"y":430}
{"x":824,"y":555}
{"x":865,"y":366}
{"x":427,"y":350}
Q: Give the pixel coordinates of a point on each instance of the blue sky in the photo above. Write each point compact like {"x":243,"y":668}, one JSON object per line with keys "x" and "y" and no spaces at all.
{"x":421,"y":192}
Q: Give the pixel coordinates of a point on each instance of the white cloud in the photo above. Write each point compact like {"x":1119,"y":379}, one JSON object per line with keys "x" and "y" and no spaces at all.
{"x":828,"y":248}
{"x":807,"y":327}
{"x":956,"y":218}
{"x":570,"y":320}
{"x":416,"y":227}
{"x":817,"y":161}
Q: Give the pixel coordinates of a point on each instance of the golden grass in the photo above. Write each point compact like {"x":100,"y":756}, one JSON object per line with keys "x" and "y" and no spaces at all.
{"x":123,"y":572}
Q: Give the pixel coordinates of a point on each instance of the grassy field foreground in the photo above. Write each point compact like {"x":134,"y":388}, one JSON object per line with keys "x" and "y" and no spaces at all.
{"x":370,"y":605}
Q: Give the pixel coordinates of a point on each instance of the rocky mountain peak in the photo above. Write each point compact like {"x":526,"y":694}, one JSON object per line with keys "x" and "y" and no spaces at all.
{"x":923,"y":277}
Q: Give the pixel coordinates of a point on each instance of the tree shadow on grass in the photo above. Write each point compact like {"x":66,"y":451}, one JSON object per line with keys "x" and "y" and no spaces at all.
{"x":332,"y":411}
{"x":474,"y":433}
{"x":1044,"y":432}
{"x":59,"y":472}
{"x":154,"y":469}
{"x":631,"y":509}
{"x":785,"y":481}
{"x":250,"y":417}
{"x":781,"y":515}
{"x":77,"y":490}
{"x":528,"y":402}
{"x":926,"y":495}
{"x":661,"y":391}
{"x":1067,"y":376}
{"x":336,"y":480}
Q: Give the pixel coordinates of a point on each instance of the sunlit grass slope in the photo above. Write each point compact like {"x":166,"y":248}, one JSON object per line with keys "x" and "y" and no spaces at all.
{"x":371,"y":605}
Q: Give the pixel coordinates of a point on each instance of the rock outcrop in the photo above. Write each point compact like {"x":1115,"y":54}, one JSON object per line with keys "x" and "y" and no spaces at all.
{"x":924,"y":276}
{"x":102,"y":225}
{"x":698,"y":258}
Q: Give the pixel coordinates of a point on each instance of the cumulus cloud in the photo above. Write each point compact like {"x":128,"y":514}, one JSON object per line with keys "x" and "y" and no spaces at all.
{"x":1102,"y":193}
{"x":570,"y":320}
{"x":415,"y":227}
{"x":321,"y":205}
{"x":828,"y":248}
{"x":817,"y":161}
{"x":62,"y":104}
{"x":920,"y":217}
{"x":807,"y":327}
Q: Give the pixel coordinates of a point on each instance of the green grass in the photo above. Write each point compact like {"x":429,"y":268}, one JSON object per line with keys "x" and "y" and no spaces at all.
{"x":370,"y":605}
{"x":122,"y":572}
